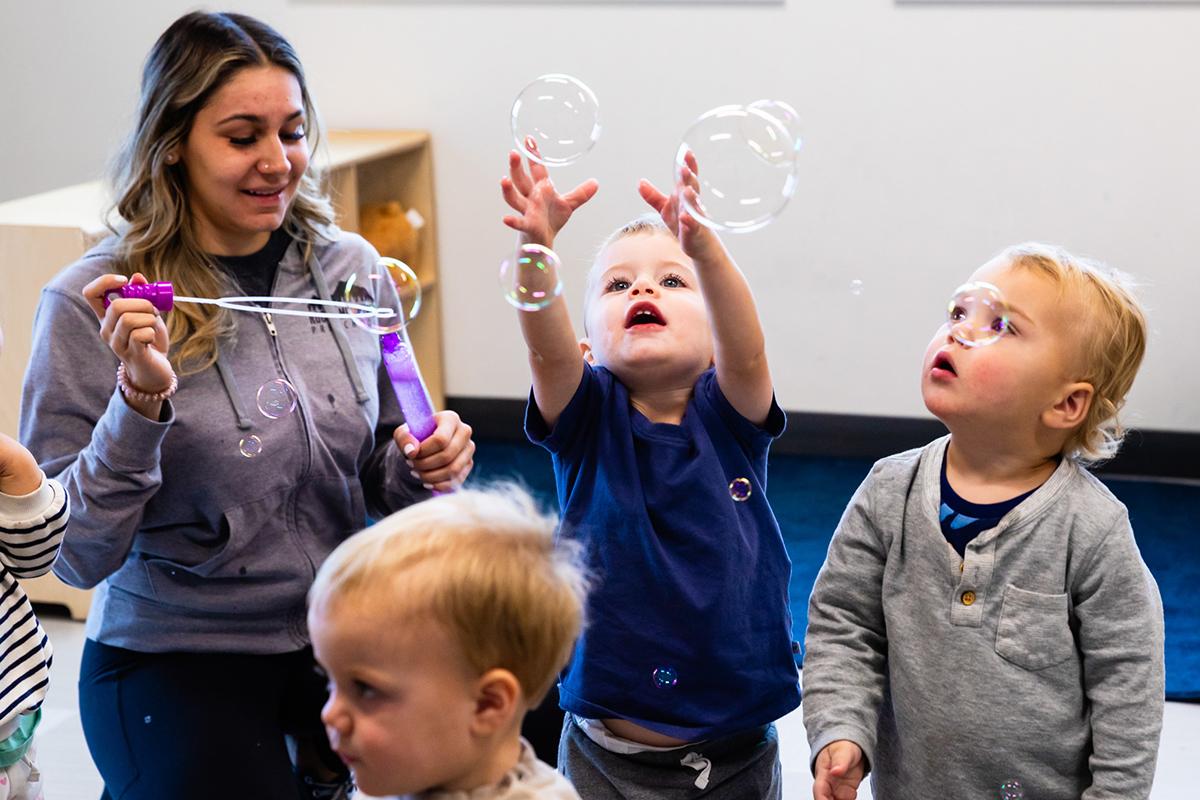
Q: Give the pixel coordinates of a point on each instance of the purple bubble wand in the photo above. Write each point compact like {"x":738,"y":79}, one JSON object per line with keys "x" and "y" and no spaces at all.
{"x":398,"y":357}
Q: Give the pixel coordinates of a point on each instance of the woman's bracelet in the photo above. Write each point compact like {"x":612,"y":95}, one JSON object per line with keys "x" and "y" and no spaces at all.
{"x":134,"y":393}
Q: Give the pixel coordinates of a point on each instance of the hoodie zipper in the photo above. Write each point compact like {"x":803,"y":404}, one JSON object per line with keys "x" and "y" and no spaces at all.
{"x":291,"y":509}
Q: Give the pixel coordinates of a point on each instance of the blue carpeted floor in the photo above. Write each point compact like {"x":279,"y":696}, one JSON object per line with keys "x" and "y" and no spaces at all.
{"x":808,"y":495}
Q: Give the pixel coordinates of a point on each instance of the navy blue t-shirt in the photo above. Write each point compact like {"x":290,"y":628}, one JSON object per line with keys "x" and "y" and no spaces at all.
{"x":688,"y":624}
{"x":963,"y":520}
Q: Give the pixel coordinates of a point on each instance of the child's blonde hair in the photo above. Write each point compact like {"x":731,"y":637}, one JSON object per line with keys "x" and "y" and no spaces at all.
{"x":650,"y":222}
{"x":1112,"y":339}
{"x":483,"y":564}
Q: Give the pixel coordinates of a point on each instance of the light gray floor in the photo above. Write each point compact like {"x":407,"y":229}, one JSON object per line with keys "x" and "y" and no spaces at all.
{"x":70,"y":775}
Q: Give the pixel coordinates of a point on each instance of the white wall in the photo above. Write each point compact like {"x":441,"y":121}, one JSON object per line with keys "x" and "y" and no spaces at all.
{"x":934,"y":136}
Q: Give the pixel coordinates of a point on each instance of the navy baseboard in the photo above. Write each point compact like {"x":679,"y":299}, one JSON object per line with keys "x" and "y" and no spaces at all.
{"x":1149,"y":453}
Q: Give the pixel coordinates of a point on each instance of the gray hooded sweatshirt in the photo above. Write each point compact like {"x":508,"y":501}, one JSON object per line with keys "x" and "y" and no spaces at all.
{"x":191,"y":545}
{"x":1039,"y":662}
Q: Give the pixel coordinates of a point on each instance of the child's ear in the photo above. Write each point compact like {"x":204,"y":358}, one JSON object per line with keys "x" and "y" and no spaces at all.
{"x":497,"y":700}
{"x":1072,"y":407}
{"x":585,"y":346}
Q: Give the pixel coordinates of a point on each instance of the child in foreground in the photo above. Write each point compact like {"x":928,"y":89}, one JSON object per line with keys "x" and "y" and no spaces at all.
{"x":984,"y":625}
{"x":33,"y":518}
{"x":438,"y":628}
{"x":659,"y":421}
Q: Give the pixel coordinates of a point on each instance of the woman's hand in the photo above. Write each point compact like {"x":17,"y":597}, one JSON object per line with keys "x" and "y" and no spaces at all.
{"x":531,"y":194}
{"x":444,"y":460}
{"x":135,"y":331}
{"x":698,"y":241}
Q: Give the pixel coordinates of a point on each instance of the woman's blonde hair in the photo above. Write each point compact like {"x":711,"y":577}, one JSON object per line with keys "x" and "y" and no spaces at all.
{"x":1112,"y":337}
{"x":481,"y":563}
{"x":196,"y":56}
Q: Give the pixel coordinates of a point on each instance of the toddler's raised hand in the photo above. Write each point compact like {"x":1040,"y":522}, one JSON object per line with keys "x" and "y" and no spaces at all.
{"x":839,"y":771}
{"x":698,"y":241}
{"x":543,"y":211}
{"x":135,"y":331}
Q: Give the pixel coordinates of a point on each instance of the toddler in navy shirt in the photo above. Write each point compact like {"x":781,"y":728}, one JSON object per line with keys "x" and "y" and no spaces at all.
{"x":659,"y":421}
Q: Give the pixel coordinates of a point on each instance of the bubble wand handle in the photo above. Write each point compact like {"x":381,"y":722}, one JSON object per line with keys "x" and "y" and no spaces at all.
{"x":407,"y":383}
{"x":161,"y":295}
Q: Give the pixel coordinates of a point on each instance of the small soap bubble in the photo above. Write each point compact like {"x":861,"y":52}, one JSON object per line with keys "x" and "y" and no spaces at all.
{"x":856,"y":287}
{"x":147,"y":720}
{"x":977,"y":314}
{"x":392,"y":289}
{"x":665,"y":677}
{"x":250,"y":447}
{"x":745,"y":165}
{"x":559,"y":115}
{"x":1011,"y":790}
{"x":740,"y":489}
{"x":529,"y":277}
{"x":276,"y":399}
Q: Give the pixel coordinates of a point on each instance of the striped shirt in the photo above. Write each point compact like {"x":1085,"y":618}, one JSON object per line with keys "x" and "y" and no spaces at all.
{"x":31,"y":532}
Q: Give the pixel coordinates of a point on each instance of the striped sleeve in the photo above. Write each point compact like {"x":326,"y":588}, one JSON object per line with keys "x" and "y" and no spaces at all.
{"x":32,"y":528}
{"x":31,"y":533}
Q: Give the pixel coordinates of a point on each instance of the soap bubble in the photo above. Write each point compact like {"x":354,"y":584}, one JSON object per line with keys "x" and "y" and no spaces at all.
{"x":250,"y":447}
{"x":276,"y":398}
{"x":977,"y":314}
{"x":746,"y":168}
{"x":665,"y":677}
{"x":1011,"y":790}
{"x":529,"y":277}
{"x":561,"y":117}
{"x":390,"y":286}
{"x":740,"y":489}
{"x":856,"y":287}
{"x":786,"y":115}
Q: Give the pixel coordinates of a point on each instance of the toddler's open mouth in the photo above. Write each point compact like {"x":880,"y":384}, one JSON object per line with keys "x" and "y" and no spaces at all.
{"x":643,"y":314}
{"x":942,"y":361}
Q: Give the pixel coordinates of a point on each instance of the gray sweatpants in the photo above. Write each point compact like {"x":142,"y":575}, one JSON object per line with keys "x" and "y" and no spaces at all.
{"x":743,"y":766}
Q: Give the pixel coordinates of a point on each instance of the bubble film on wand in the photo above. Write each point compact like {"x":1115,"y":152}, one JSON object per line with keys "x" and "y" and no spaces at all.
{"x":392,"y":286}
{"x":162,"y":296}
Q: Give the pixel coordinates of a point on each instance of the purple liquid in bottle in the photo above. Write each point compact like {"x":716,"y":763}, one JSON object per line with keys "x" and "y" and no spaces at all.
{"x":407,"y":383}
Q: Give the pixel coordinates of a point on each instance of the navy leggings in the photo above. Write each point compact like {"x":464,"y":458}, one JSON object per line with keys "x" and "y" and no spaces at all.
{"x":197,"y":725}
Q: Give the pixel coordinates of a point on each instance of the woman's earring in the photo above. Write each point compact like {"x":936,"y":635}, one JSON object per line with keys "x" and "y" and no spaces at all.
{"x":171,"y":158}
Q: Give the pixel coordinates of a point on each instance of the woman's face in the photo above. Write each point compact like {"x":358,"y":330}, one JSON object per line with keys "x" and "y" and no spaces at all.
{"x":243,"y":159}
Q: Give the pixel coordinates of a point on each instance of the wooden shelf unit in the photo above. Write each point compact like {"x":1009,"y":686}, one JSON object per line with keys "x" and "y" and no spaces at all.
{"x":41,"y":234}
{"x":379,"y":167}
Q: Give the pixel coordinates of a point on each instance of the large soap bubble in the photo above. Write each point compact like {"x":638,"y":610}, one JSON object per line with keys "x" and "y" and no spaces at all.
{"x":746,"y":168}
{"x":560,"y":115}
{"x":529,"y":278}
{"x":391,"y":286}
{"x":977,"y":314}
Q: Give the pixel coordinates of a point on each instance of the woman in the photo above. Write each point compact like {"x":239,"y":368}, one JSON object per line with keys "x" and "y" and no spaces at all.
{"x":200,"y":522}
